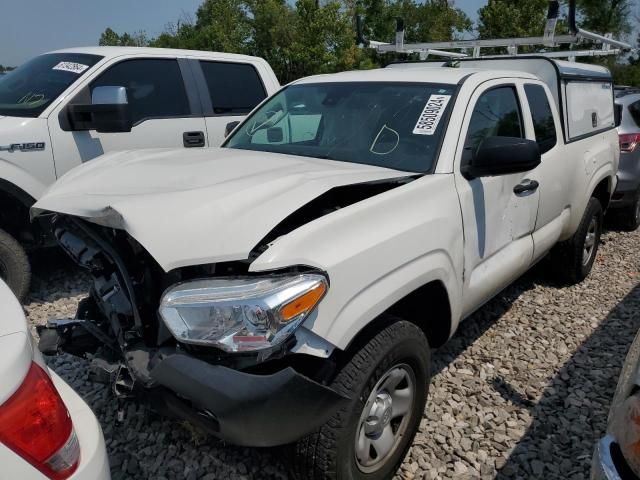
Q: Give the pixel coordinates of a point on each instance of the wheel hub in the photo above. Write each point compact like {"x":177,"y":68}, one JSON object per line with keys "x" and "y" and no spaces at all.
{"x":385,"y":418}
{"x":379,"y":416}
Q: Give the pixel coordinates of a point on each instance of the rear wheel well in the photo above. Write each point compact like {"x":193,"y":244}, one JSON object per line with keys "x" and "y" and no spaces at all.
{"x":602,"y":192}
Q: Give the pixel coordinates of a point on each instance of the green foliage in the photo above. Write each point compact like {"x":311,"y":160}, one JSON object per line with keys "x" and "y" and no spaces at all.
{"x":317,"y":36}
{"x":112,"y":39}
{"x":306,"y":38}
{"x":512,"y":18}
{"x":605,"y":16}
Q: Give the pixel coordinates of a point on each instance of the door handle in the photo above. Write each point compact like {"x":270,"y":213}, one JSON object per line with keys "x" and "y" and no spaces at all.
{"x":526,"y":186}
{"x":193,"y":139}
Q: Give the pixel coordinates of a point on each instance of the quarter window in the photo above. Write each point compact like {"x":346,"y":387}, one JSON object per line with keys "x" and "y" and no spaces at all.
{"x":543,"y":123}
{"x":496,"y":114}
{"x":235,"y":88}
{"x":154,"y":88}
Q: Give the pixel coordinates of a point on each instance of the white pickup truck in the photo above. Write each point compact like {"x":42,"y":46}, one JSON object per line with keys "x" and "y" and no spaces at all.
{"x":64,"y":108}
{"x":289,"y":286}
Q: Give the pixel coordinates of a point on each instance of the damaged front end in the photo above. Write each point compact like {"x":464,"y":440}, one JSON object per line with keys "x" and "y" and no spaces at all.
{"x":149,"y":333}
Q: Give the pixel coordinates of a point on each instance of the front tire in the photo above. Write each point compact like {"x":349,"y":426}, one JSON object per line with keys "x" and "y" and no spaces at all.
{"x":387,"y":380}
{"x":574,"y":258}
{"x":14,"y":265}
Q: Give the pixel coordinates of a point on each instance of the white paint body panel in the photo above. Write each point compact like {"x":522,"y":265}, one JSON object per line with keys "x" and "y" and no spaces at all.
{"x":474,"y":237}
{"x":222,"y":202}
{"x":32,"y":172}
{"x":17,"y":352}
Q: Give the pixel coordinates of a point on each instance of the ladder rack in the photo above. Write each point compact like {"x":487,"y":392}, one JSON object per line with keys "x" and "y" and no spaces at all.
{"x":473,"y":48}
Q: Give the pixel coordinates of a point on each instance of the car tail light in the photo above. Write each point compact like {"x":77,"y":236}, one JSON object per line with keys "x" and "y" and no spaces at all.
{"x":629,"y":141}
{"x":35,"y":423}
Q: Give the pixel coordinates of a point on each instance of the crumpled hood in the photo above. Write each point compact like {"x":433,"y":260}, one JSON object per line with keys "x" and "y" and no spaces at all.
{"x":192,"y":207}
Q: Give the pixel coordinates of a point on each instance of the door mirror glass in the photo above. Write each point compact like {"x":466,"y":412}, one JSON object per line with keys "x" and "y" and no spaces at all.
{"x":109,"y":96}
{"x":108,"y":112}
{"x":502,"y":156}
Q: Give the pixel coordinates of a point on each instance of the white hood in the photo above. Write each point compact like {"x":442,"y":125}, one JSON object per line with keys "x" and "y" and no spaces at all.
{"x":191,"y":207}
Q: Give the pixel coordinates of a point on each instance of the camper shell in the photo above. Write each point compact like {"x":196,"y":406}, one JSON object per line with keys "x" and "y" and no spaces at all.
{"x":583,"y":93}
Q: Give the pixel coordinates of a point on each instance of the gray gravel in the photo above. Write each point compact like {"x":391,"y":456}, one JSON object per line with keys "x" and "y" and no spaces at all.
{"x":521,"y":391}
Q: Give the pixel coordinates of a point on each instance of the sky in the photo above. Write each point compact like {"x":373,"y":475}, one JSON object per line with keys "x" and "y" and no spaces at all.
{"x":54,"y":24}
{"x":73,"y":23}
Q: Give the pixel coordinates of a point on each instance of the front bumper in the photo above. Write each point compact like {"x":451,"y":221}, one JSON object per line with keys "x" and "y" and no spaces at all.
{"x":247,"y":409}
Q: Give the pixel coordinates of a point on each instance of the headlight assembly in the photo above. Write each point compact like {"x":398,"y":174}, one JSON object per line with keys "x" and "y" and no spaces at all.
{"x":241,"y":314}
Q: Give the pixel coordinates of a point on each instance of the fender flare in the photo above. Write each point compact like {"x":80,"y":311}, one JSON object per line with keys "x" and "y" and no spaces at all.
{"x":384,"y":292}
{"x":603,"y":173}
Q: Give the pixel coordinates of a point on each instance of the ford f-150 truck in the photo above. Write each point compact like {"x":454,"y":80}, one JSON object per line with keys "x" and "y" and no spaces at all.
{"x":288,"y":287}
{"x":64,"y":108}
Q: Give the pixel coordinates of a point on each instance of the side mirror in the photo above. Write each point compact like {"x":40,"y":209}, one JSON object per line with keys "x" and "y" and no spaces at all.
{"x":230,"y":127}
{"x":108,"y":112}
{"x":617,"y":114}
{"x":502,"y":156}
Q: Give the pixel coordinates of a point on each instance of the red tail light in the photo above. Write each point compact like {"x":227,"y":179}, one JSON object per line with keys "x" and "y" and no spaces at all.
{"x":629,"y":141}
{"x":35,"y":424}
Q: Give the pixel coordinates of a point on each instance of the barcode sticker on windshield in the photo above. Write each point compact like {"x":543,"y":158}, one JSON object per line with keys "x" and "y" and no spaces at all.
{"x":71,"y":67}
{"x":431,"y":115}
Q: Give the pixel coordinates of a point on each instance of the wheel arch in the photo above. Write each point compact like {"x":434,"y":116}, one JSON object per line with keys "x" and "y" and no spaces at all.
{"x":436,"y":320}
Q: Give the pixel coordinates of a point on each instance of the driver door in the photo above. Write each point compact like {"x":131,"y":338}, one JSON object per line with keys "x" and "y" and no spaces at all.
{"x":498,"y":219}
{"x":163,"y":114}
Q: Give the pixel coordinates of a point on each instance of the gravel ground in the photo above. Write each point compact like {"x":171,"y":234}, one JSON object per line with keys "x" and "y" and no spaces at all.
{"x":521,"y":391}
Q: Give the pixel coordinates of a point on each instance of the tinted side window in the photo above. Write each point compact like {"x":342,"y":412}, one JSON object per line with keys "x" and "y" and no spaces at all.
{"x":542,"y":116}
{"x":233,"y":87}
{"x":154,"y":87}
{"x":634,"y":110}
{"x":496,"y":114}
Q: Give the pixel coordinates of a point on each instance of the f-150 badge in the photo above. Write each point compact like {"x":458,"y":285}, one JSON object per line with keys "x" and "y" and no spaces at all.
{"x":22,"y":147}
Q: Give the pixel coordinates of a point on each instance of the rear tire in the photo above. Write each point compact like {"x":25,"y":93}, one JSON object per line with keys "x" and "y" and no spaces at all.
{"x":629,"y":217}
{"x":573,"y":259}
{"x":387,"y":381}
{"x":15,"y":269}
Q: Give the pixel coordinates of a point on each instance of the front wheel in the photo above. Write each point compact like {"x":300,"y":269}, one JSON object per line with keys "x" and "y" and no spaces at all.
{"x":574,"y":258}
{"x":387,"y":381}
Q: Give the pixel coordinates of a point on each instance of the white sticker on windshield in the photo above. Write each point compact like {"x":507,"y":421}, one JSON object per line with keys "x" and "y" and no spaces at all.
{"x":71,"y":67}
{"x":431,"y":115}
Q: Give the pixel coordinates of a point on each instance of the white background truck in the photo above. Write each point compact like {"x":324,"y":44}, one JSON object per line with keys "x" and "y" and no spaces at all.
{"x":65,"y":108}
{"x":288,"y":287}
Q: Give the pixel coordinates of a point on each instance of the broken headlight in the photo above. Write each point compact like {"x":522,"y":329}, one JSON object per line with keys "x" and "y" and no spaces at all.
{"x":240,"y":314}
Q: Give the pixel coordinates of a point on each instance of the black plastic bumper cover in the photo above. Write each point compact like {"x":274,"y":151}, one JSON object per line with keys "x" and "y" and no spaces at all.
{"x":252,"y":410}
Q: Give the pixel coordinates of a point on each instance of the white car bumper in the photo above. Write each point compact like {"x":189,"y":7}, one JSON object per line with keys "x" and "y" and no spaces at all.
{"x":94,"y":463}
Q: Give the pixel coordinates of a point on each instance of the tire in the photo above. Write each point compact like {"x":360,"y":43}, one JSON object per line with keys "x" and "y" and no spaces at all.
{"x":629,"y":217}
{"x":399,"y":353}
{"x":14,"y":265}
{"x":573,"y":258}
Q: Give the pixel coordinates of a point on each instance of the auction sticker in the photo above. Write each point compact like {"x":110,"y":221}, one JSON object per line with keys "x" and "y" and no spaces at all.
{"x":431,"y":115}
{"x":71,"y":67}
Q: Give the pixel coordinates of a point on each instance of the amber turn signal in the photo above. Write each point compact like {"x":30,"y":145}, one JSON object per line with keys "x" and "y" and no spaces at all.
{"x":304,"y":303}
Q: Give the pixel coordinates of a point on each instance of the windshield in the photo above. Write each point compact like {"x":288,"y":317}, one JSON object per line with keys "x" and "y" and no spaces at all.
{"x":29,"y":89}
{"x":393,"y":125}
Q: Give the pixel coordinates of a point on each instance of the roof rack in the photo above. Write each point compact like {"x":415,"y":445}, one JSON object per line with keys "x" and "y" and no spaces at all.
{"x":473,"y":48}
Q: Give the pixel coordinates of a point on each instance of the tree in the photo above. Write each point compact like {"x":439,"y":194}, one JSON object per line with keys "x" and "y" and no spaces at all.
{"x":512,"y":18}
{"x":111,"y":38}
{"x":605,"y":16}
